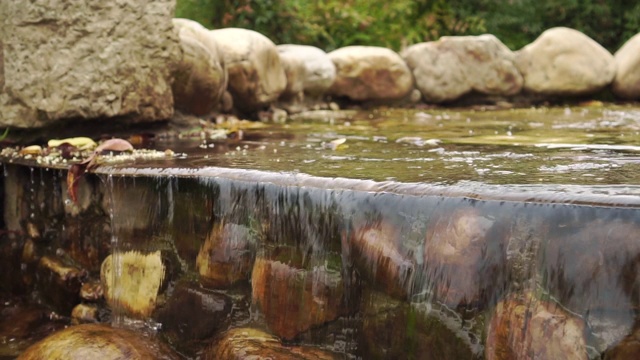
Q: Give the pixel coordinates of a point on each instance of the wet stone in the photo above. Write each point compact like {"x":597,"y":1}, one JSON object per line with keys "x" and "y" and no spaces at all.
{"x":91,"y":290}
{"x":226,"y":256}
{"x":84,"y":313}
{"x":250,"y":343}
{"x":293,"y":300}
{"x":59,"y":283}
{"x":628,"y":348}
{"x":93,"y":341}
{"x":455,"y":256}
{"x":192,"y":315}
{"x":23,"y":324}
{"x":396,"y":330}
{"x":524,"y":327}
{"x":374,"y":249}
{"x":138,"y":284}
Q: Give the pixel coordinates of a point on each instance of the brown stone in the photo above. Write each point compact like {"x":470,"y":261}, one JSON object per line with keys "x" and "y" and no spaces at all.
{"x":226,"y":256}
{"x":84,"y":313}
{"x":193,"y":315}
{"x":374,"y":249}
{"x":628,"y":348}
{"x":293,"y":300}
{"x":93,"y":341}
{"x":393,"y":329}
{"x":249,"y":343}
{"x":453,"y":253}
{"x":59,"y":283}
{"x":523,"y":327}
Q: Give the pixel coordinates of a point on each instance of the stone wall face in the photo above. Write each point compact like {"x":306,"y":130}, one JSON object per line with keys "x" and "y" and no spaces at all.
{"x":75,"y":59}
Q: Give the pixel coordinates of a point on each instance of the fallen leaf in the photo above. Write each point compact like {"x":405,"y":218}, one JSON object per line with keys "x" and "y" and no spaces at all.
{"x":82,"y":143}
{"x":74,"y":174}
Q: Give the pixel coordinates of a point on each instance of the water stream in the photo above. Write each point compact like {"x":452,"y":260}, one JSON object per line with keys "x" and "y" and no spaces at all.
{"x":426,"y":234}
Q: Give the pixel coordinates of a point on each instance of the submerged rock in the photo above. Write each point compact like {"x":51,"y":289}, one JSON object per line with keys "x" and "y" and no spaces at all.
{"x":628,"y":348}
{"x":396,"y":330}
{"x":226,"y":256}
{"x":92,"y":341}
{"x":136,"y":288}
{"x":69,"y":60}
{"x":370,"y":73}
{"x":256,"y":76}
{"x":192,"y":315}
{"x":293,"y":300}
{"x":456,"y":65}
{"x":455,"y":255}
{"x":201,"y":77}
{"x":59,"y":283}
{"x":374,"y":250}
{"x":627,"y":81}
{"x":564,"y":61}
{"x":250,"y":343}
{"x":523,"y":327}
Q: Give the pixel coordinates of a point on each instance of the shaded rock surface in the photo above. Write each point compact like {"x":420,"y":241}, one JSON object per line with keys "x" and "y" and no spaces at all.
{"x":446,"y":69}
{"x":523,"y":327}
{"x":396,"y":330}
{"x":564,"y":61}
{"x":256,"y":76}
{"x":192,"y":315}
{"x":201,"y":76}
{"x":370,"y":73}
{"x":250,"y":343}
{"x":319,"y":70}
{"x":92,"y":341}
{"x":74,"y":60}
{"x":627,"y":81}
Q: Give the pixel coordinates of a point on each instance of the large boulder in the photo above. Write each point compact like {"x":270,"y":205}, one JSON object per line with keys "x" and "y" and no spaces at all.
{"x":454,"y":66}
{"x":370,"y":73}
{"x":256,"y":76}
{"x":70,"y":60}
{"x":294,"y":69}
{"x":249,"y":344}
{"x":93,"y":341}
{"x":320,"y":72}
{"x":201,"y":76}
{"x":627,"y":81}
{"x":564,"y":61}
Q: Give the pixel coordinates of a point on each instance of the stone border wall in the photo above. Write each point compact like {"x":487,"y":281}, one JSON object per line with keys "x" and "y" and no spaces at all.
{"x":145,"y":67}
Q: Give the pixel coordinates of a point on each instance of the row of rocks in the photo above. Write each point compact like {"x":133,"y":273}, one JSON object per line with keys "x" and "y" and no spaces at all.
{"x":132,"y":61}
{"x":561,"y":62}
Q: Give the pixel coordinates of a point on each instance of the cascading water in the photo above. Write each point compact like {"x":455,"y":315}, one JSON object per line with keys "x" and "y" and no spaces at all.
{"x":383,"y":267}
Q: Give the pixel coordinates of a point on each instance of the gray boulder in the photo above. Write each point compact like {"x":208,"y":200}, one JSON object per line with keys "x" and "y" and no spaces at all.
{"x":627,"y":81}
{"x":294,"y":69}
{"x":453,"y":66}
{"x":320,"y":72}
{"x":70,"y":60}
{"x":564,"y":61}
{"x":201,"y":76}
{"x":256,"y":76}
{"x":370,"y":73}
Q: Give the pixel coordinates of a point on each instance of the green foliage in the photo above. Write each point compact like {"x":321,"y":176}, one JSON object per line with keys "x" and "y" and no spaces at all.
{"x":331,"y":24}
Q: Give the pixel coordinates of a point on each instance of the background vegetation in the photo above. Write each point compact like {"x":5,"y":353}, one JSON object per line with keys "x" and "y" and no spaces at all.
{"x":331,"y":24}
